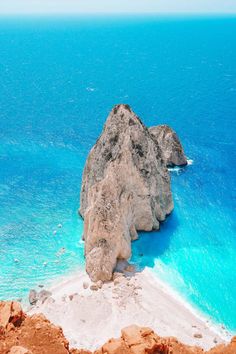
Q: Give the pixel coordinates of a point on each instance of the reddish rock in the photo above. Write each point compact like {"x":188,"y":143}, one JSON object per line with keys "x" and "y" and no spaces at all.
{"x":225,"y":349}
{"x":19,"y":350}
{"x":22,"y":334}
{"x":10,"y":314}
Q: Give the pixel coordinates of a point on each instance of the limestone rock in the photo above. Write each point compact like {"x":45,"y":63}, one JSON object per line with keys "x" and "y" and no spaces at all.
{"x":170,"y":145}
{"x":43,"y":295}
{"x":33,"y":297}
{"x":99,"y":284}
{"x":125,"y":188}
{"x":85,"y":285}
{"x":94,"y":287}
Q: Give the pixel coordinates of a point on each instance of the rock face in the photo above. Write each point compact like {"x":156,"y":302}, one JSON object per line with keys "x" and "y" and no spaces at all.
{"x":170,"y":145}
{"x":142,"y":340}
{"x":22,"y":334}
{"x":125,"y":188}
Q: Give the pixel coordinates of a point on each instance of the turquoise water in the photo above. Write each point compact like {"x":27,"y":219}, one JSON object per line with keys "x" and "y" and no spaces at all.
{"x":58,"y":80}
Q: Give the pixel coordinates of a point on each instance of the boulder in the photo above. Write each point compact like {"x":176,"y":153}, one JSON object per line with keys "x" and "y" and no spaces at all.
{"x":43,"y":295}
{"x":33,"y":297}
{"x":170,"y":145}
{"x":125,"y":188}
{"x":10,"y":313}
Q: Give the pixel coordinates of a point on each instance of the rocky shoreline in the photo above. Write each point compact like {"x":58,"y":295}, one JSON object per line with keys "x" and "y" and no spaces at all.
{"x":89,"y":314}
{"x":23,"y":334}
{"x":125,"y":188}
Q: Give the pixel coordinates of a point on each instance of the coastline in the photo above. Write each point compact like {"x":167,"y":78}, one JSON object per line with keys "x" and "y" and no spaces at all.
{"x":88,"y":318}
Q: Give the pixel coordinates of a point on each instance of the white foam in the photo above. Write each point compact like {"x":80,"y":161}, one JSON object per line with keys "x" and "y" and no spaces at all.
{"x":190,"y":162}
{"x":91,"y":89}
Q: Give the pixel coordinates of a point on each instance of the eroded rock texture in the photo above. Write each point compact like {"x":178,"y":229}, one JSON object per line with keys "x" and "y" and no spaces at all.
{"x":143,"y":340}
{"x":22,"y":334}
{"x":169,"y":143}
{"x":125,"y":188}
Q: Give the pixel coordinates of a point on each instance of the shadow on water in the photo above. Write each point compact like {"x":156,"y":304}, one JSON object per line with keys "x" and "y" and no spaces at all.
{"x":152,"y":245}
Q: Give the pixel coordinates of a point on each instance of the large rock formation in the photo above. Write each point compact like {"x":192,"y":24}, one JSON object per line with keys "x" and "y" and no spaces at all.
{"x":168,"y":141}
{"x":125,"y":188}
{"x":22,"y":334}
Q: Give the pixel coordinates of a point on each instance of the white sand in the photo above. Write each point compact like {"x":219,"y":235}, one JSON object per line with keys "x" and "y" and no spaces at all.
{"x":92,"y":317}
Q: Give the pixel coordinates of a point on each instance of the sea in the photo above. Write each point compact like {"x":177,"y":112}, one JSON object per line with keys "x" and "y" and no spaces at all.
{"x":59,"y":79}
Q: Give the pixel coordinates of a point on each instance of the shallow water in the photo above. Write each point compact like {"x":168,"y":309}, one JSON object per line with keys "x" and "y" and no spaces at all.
{"x":58,"y":80}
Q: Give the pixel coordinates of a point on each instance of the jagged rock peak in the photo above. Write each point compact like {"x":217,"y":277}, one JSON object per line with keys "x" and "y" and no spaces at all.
{"x":125,"y":188}
{"x":168,"y":141}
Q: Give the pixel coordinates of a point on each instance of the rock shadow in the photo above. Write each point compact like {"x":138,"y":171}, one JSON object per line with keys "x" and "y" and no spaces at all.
{"x":152,"y":245}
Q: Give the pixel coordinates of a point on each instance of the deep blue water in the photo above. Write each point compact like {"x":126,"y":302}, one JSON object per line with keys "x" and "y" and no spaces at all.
{"x":59,"y":78}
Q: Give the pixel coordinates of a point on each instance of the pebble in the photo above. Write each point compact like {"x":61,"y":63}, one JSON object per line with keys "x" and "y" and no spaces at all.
{"x":99,"y":284}
{"x":130,"y":268}
{"x":50,"y":300}
{"x":197,"y":335}
{"x":116,"y":281}
{"x":94,"y":287}
{"x":71,"y":297}
{"x":138,"y":287}
{"x":117,"y":275}
{"x":85,"y":285}
{"x":33,"y":297}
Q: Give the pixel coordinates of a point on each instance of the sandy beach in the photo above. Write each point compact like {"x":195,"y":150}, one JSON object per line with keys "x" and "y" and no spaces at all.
{"x":90,"y":317}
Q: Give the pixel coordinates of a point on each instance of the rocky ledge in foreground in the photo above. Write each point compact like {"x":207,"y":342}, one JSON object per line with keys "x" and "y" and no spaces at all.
{"x":22,"y":334}
{"x":125,"y":188}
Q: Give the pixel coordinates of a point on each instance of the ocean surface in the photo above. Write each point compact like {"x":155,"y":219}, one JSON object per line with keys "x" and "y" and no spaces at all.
{"x":59,"y":78}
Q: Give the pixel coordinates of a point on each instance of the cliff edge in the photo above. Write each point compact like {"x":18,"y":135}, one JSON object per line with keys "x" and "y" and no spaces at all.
{"x":22,"y":334}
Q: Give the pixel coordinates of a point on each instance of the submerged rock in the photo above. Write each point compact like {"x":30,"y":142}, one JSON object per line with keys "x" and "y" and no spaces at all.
{"x":170,"y":145}
{"x":125,"y":188}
